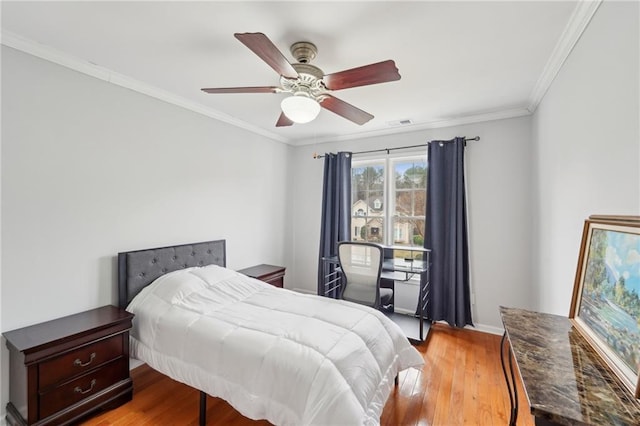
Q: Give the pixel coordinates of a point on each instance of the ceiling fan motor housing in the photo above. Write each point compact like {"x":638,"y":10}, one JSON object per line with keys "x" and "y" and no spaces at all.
{"x":309,"y":81}
{"x":304,"y":52}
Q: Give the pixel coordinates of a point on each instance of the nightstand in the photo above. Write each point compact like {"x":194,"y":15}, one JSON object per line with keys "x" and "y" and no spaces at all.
{"x":271,"y":274}
{"x":64,"y":369}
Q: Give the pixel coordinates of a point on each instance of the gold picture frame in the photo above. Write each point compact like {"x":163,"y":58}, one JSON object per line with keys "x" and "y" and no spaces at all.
{"x":605,"y":306}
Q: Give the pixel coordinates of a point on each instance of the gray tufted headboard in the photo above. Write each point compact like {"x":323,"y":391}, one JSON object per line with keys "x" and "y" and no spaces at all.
{"x":137,"y":269}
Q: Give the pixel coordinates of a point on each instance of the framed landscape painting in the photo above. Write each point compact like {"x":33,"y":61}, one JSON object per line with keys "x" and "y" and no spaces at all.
{"x":605,"y":307}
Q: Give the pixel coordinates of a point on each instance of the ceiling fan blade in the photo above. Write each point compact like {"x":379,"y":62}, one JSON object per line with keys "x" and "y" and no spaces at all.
{"x":265,"y":89}
{"x":380,"y":72}
{"x":284,"y":121}
{"x":345,"y":110}
{"x":268,"y":52}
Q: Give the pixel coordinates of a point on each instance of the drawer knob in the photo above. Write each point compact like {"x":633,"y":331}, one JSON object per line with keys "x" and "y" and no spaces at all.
{"x":79,"y":363}
{"x":78,"y":389}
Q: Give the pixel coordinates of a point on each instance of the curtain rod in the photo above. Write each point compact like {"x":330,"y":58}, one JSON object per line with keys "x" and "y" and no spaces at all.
{"x":315,"y":154}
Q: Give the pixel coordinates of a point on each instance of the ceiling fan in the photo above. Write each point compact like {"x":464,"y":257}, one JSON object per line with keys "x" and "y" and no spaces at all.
{"x":309,"y":85}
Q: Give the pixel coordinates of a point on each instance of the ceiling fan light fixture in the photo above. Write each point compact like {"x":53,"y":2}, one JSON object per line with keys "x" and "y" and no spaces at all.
{"x":300,"y":108}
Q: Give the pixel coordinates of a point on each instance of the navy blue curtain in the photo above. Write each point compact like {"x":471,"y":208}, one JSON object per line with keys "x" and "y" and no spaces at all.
{"x":446,"y":234}
{"x":336,"y":212}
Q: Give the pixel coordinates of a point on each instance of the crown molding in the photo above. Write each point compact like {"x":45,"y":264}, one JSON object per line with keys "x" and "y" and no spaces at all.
{"x":52,"y":55}
{"x":578,"y":22}
{"x":449,"y":122}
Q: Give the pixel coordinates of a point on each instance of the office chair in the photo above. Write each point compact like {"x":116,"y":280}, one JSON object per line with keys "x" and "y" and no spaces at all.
{"x":361,"y":265}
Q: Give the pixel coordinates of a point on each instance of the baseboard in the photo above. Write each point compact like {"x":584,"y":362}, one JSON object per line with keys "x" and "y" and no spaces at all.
{"x":303,"y":290}
{"x":487,"y":329}
{"x":404,"y":311}
{"x":480,"y":327}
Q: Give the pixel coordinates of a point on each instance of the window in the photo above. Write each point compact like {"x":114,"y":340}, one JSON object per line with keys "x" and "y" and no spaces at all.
{"x":389,"y":193}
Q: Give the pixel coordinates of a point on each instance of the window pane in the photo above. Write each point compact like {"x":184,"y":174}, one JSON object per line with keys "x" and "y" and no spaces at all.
{"x":374,"y":176}
{"x":408,"y":231}
{"x":418,"y":232}
{"x":375,"y":230}
{"x":376,"y":203}
{"x":404,"y":203}
{"x":366,"y":178}
{"x":410,"y":178}
{"x":410,"y":202}
{"x":367,"y":202}
{"x":419,"y":202}
{"x":359,"y":223}
{"x":410,"y":174}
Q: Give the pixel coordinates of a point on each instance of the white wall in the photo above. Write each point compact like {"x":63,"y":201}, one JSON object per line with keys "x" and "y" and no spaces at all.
{"x":90,"y":169}
{"x":499,"y":193}
{"x":586,"y":142}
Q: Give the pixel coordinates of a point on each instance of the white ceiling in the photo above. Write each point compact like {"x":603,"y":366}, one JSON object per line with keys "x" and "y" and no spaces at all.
{"x":459,"y":61}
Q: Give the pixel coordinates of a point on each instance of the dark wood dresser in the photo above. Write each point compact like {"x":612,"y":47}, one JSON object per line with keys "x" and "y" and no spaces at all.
{"x":271,"y":274}
{"x":64,"y":369}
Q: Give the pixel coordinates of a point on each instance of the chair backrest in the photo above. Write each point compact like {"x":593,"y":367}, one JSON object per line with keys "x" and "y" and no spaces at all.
{"x":361,"y":265}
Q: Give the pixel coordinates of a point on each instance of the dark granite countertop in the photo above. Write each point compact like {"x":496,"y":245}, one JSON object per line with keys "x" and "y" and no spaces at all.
{"x":565,"y":379}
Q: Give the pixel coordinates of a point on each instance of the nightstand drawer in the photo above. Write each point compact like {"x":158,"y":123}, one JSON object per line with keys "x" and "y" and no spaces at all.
{"x":83,"y":387}
{"x":79,"y":361}
{"x":276,"y":278}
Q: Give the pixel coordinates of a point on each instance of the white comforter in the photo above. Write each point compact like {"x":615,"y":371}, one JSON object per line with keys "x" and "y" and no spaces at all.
{"x":273,"y":354}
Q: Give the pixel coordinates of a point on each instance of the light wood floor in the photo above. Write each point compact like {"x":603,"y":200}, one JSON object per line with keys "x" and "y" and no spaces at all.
{"x":461,"y":384}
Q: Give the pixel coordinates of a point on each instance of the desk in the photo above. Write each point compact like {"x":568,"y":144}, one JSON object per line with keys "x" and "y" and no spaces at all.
{"x":393,"y":269}
{"x":566,"y":382}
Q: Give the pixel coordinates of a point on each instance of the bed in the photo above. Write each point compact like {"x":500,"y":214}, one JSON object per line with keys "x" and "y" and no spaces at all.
{"x":272,"y":353}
